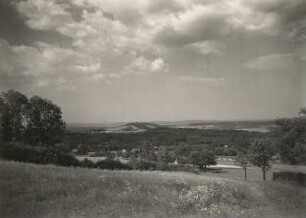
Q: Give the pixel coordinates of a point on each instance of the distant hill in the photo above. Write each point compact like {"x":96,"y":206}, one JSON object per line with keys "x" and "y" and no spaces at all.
{"x":132,"y":127}
{"x":143,"y":125}
{"x":252,"y":126}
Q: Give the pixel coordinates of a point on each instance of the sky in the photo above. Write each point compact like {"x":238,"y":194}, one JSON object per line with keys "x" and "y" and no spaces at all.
{"x":157,"y":60}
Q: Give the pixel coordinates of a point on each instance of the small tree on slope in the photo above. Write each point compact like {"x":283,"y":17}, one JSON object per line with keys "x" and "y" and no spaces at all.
{"x":262,"y":153}
{"x":242,"y":159}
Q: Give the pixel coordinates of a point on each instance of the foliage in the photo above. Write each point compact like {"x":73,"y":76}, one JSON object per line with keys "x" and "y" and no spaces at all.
{"x":142,"y":165}
{"x":290,"y":177}
{"x":38,"y":155}
{"x":87,"y":163}
{"x":44,"y":122}
{"x":12,"y":115}
{"x":261,"y":154}
{"x":202,"y":159}
{"x":166,"y":157}
{"x":35,"y":120}
{"x":182,"y":154}
{"x":243,"y":160}
{"x":290,"y":134}
{"x":112,"y":165}
{"x":176,"y":139}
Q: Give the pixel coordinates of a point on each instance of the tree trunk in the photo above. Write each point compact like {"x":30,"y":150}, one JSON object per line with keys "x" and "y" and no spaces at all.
{"x":264,"y":175}
{"x":205,"y":168}
{"x":245,"y":174}
{"x":201,"y":167}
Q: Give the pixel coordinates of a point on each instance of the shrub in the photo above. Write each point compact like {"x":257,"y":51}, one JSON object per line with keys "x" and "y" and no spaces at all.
{"x":87,"y":163}
{"x":112,"y":165}
{"x":38,"y":155}
{"x":142,"y":165}
{"x":290,"y":177}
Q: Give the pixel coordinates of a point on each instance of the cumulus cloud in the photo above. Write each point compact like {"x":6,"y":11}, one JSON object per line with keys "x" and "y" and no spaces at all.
{"x":215,"y":20}
{"x":141,"y":66}
{"x":43,"y":15}
{"x":208,"y":47}
{"x":112,"y":40}
{"x":103,"y":47}
{"x":274,"y":62}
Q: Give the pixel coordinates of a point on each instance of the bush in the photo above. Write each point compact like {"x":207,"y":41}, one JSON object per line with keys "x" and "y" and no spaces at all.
{"x":87,"y":163}
{"x":142,"y":165}
{"x":290,"y":177}
{"x":38,"y":155}
{"x":112,"y":165}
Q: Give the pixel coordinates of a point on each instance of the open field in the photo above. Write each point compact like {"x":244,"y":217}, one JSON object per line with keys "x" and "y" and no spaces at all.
{"x":29,"y":190}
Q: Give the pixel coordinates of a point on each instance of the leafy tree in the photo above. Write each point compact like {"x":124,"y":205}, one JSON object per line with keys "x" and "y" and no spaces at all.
{"x":290,"y":134}
{"x":44,"y":122}
{"x":182,"y":154}
{"x":203,"y":158}
{"x":12,"y":107}
{"x":261,"y":155}
{"x":242,"y":159}
{"x":165,"y":157}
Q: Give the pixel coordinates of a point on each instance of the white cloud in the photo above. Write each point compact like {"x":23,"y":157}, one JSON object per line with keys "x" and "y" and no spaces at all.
{"x":43,"y":14}
{"x":274,"y":62}
{"x":208,"y":47}
{"x":142,"y":65}
{"x":215,"y":20}
{"x":102,"y":47}
{"x":112,"y":39}
{"x":158,"y":65}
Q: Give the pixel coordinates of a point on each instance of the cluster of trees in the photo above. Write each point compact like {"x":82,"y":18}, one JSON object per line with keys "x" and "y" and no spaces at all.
{"x":259,"y":154}
{"x":35,"y":120}
{"x":290,"y":138}
{"x":158,"y":137}
{"x":288,"y":141}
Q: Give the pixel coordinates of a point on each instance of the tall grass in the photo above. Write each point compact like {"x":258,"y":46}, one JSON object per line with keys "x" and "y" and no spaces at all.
{"x":29,"y":190}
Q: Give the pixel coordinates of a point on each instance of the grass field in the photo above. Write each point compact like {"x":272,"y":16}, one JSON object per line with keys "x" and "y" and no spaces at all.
{"x":28,"y":190}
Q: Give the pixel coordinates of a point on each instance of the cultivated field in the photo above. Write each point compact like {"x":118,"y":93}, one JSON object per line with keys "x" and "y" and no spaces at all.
{"x":29,"y":190}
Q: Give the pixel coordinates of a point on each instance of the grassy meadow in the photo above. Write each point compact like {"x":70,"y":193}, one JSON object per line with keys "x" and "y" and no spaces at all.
{"x":29,"y":190}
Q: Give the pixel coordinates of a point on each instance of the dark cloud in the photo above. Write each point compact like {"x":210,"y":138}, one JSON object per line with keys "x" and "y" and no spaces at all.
{"x":292,"y":15}
{"x":16,"y":32}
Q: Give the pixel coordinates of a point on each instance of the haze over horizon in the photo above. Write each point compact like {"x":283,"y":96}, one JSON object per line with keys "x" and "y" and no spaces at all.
{"x":145,"y":60}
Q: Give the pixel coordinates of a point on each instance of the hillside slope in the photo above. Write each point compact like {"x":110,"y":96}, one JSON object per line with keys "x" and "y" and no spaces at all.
{"x":29,"y":190}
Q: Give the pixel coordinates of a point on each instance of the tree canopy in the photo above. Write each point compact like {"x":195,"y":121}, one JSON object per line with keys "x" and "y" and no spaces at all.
{"x":44,"y":121}
{"x":242,"y":159}
{"x":12,"y":115}
{"x":262,"y":152}
{"x":35,"y":120}
{"x":290,"y":136}
{"x":203,"y":158}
